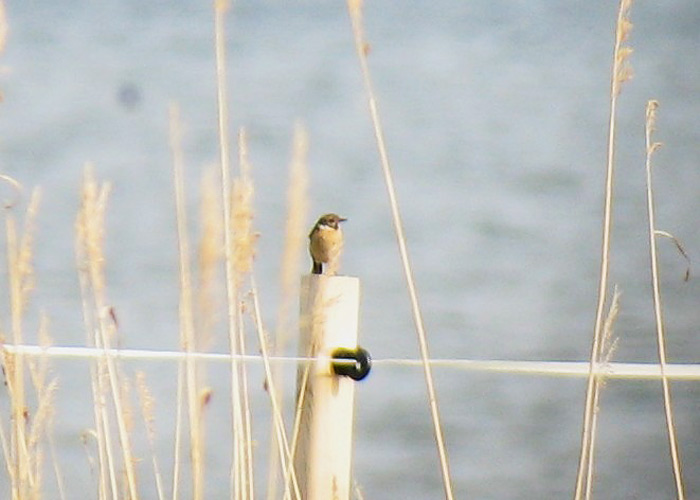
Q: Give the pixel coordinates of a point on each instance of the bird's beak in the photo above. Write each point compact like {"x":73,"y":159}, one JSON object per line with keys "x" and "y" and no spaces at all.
{"x":341,"y":219}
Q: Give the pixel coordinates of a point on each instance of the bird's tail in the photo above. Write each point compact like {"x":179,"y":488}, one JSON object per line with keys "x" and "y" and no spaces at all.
{"x":317,"y":268}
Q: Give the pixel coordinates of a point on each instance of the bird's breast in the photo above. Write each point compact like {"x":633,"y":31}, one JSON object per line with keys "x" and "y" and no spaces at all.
{"x":326,"y":244}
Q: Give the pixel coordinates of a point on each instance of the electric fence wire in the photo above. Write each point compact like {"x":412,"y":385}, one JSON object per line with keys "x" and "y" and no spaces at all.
{"x":612,"y":370}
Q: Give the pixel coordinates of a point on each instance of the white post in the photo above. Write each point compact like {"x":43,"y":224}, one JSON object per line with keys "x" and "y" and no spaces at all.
{"x":328,"y":320}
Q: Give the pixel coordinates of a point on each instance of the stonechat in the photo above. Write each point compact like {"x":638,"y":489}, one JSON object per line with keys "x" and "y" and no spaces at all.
{"x":325,"y":243}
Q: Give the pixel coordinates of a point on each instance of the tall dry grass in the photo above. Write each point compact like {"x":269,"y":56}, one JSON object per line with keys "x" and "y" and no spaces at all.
{"x":3,"y":26}
{"x":621,"y":72}
{"x":362,"y":49}
{"x":147,"y":404}
{"x":31,"y":387}
{"x":111,"y":408}
{"x":651,"y":147}
{"x":294,"y":247}
{"x":242,"y":464}
{"x":188,"y":341}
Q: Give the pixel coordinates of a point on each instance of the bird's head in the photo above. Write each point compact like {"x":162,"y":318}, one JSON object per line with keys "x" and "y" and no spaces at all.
{"x":330,"y":220}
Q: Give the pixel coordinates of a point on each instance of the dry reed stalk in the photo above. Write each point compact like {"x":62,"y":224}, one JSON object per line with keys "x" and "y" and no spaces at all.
{"x":651,"y":147}
{"x":358,"y":492}
{"x":42,"y":420}
{"x":241,"y":487}
{"x":39,"y":369}
{"x":107,"y":471}
{"x":361,"y":46}
{"x":302,"y":383}
{"x":20,"y":278}
{"x":609,"y":343}
{"x":179,"y":401}
{"x":280,"y":435}
{"x":107,"y":484}
{"x":3,"y":26}
{"x":243,"y":237}
{"x":147,"y":404}
{"x":4,"y":442}
{"x":7,"y":359}
{"x":294,"y":243}
{"x":295,"y":234}
{"x":105,"y":461}
{"x":621,"y":72}
{"x":126,"y":415}
{"x":209,"y":258}
{"x":23,"y":453}
{"x":54,"y":459}
{"x":209,"y":254}
{"x":186,"y":310}
{"x":243,"y":250}
{"x":100,"y":321}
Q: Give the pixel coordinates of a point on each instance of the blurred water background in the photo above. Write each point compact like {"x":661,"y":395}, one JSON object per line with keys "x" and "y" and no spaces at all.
{"x":495,"y":116}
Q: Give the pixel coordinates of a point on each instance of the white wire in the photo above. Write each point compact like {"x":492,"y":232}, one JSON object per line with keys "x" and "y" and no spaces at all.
{"x":676,"y":371}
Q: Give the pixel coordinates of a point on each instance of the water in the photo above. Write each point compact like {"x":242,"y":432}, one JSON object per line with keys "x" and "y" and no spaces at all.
{"x":495,"y":116}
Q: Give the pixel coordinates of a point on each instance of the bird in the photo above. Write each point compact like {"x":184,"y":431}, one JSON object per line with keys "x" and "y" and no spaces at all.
{"x":325,"y":243}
